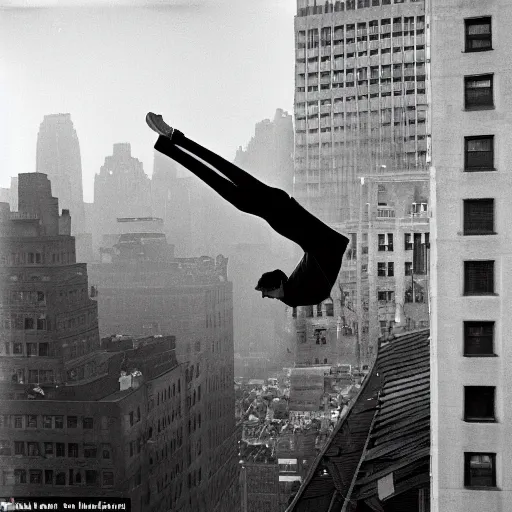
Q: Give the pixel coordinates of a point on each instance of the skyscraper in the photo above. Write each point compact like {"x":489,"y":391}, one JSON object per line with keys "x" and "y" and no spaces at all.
{"x":58,"y":156}
{"x":471,"y":81}
{"x":121,"y":189}
{"x":359,"y":98}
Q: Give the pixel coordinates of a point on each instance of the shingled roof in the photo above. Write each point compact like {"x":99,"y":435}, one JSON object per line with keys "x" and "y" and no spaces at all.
{"x":381,"y":448}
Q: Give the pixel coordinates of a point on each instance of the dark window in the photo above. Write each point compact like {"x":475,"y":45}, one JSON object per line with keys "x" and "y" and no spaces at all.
{"x":36,"y":476}
{"x":329,"y":309}
{"x":479,"y":469}
{"x":479,"y":153}
{"x":478,"y":91}
{"x":478,"y":34}
{"x":294,"y":314}
{"x":19,"y":448}
{"x":33,"y":449}
{"x":91,"y":477}
{"x":48,"y":448}
{"x":408,"y":268}
{"x":391,"y":269}
{"x":105,"y":451}
{"x":131,"y":414}
{"x":309,"y":311}
{"x":60,"y":478}
{"x":108,"y":478}
{"x":59,"y":421}
{"x":72,"y":450}
{"x":478,"y":338}
{"x":48,"y":476}
{"x":32,"y":421}
{"x":381,"y":269}
{"x":478,"y":216}
{"x":60,"y":449}
{"x":5,"y":447}
{"x":319,"y":310}
{"x":20,"y":476}
{"x":479,"y":403}
{"x":88,"y":423}
{"x":72,"y":422}
{"x":478,"y":277}
{"x":44,"y":349}
{"x":18,"y":421}
{"x":47,"y":421}
{"x":29,"y":323}
{"x":90,"y":451}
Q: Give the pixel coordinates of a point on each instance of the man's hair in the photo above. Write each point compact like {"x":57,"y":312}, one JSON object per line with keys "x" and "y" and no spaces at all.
{"x":271,"y":280}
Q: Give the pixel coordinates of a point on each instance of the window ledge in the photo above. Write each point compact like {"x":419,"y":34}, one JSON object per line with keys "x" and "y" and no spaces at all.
{"x":481,"y":488}
{"x":481,"y":355}
{"x":479,"y":107}
{"x":478,"y":50}
{"x":480,"y":420}
{"x":480,"y":295}
{"x":481,"y":169}
{"x":483,"y":233}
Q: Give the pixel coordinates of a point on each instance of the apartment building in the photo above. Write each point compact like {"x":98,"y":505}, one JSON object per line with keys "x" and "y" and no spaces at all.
{"x":471,"y":262}
{"x":144,"y":291}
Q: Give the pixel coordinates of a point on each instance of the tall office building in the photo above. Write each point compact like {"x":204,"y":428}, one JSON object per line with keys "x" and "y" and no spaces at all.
{"x":58,"y":156}
{"x":121,"y":189}
{"x":471,"y":90}
{"x":359,"y":98}
{"x":360,"y":150}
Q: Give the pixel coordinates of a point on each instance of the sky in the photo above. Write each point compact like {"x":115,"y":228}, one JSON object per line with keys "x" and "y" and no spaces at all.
{"x":213,"y":68}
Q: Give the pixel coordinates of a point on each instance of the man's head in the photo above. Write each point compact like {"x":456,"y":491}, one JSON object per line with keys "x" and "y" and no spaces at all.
{"x":271,"y":284}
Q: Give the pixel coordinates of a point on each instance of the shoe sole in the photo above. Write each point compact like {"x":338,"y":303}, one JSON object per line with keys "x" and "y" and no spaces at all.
{"x":155,"y":122}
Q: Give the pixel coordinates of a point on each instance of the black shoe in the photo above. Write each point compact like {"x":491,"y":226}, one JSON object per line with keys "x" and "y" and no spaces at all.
{"x":158,"y":125}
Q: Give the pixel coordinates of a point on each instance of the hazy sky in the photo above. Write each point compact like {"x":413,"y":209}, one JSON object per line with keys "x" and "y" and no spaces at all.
{"x":213,"y":68}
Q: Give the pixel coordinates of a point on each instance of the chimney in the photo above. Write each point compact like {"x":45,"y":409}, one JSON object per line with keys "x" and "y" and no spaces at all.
{"x":65,"y":223}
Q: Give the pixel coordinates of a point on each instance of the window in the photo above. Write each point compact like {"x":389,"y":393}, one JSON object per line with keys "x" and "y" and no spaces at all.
{"x":479,"y":469}
{"x":106,"y":451}
{"x":386,"y":296}
{"x":329,"y":309}
{"x":60,"y":478}
{"x":309,"y":311}
{"x":29,"y":323}
{"x":408,"y":241}
{"x":479,"y":403}
{"x":478,"y":91}
{"x":18,"y":421}
{"x":478,"y":338}
{"x":72,"y":422}
{"x":60,"y":449}
{"x":479,"y":153}
{"x":108,"y":478}
{"x":319,"y":310}
{"x":294,"y":313}
{"x":478,"y":34}
{"x":59,"y":421}
{"x":31,"y":421}
{"x":5,"y":447}
{"x":48,"y":476}
{"x":478,"y":277}
{"x":19,"y":448}
{"x":17,"y":348}
{"x":72,"y":450}
{"x":48,"y":448}
{"x":47,"y":421}
{"x":478,"y":216}
{"x":91,"y":477}
{"x":88,"y":423}
{"x":90,"y":451}
{"x":391,"y":269}
{"x":36,"y":476}
{"x":385,"y":269}
{"x":20,"y":476}
{"x":381,"y":269}
{"x":385,"y":241}
{"x":33,"y":449}
{"x":408,"y":268}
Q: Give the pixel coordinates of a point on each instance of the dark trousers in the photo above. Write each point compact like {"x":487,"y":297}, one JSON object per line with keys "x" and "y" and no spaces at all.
{"x":247,"y":193}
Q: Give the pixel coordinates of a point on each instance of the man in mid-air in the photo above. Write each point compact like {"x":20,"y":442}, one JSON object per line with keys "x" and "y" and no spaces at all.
{"x":314,"y":276}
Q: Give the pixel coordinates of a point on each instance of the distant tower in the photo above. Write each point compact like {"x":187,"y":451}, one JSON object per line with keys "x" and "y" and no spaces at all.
{"x":58,"y":156}
{"x":121,"y":189}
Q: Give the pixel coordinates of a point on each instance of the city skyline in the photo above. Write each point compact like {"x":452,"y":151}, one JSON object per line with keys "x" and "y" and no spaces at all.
{"x":97,"y":60}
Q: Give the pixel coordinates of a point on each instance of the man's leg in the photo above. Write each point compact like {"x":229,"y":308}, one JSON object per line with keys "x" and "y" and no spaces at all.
{"x":238,"y":176}
{"x":222,"y":186}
